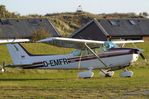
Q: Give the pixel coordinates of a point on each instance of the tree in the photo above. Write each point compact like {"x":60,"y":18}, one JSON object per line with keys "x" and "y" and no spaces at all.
{"x":6,"y":14}
{"x":145,"y":14}
{"x":2,"y":11}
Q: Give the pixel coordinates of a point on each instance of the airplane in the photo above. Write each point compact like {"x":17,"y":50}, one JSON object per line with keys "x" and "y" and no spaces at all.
{"x":89,"y":54}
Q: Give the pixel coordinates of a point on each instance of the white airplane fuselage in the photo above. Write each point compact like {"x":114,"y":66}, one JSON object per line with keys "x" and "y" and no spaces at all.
{"x":69,"y":62}
{"x":114,"y":58}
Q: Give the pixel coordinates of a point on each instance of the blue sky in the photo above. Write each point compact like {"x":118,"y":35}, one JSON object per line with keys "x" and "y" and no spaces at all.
{"x":25,"y":7}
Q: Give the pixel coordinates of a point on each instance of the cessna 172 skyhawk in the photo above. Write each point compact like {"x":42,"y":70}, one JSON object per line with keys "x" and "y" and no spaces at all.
{"x":90,"y":54}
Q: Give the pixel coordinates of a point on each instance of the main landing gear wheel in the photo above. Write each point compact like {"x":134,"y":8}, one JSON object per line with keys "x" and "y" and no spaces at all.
{"x":126,"y":73}
{"x":86,"y":74}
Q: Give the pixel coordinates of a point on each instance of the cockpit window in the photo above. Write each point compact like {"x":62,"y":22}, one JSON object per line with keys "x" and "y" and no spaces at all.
{"x":84,"y":52}
{"x":106,"y":46}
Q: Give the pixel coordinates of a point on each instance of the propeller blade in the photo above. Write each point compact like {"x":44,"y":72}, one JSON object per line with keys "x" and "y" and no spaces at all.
{"x":142,"y":56}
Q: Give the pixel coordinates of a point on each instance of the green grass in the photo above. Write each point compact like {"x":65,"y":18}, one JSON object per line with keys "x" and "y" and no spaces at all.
{"x":62,"y":84}
{"x":65,"y":84}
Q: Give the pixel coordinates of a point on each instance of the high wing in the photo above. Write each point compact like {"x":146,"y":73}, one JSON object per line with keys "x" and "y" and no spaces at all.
{"x":129,"y":41}
{"x":71,"y":42}
{"x":80,"y":43}
{"x":13,"y":40}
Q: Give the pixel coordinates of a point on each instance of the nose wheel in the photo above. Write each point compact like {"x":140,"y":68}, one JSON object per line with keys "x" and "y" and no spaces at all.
{"x":3,"y":70}
{"x":2,"y":67}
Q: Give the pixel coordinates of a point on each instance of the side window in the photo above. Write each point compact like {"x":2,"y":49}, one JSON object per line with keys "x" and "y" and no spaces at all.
{"x":85,"y":52}
{"x":98,"y":50}
{"x":76,"y":52}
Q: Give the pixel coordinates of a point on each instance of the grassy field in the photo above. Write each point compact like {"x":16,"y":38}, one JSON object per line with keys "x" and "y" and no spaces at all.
{"x":62,"y":84}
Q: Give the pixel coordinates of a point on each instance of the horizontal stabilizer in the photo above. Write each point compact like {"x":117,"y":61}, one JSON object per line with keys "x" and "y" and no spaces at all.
{"x":13,"y":40}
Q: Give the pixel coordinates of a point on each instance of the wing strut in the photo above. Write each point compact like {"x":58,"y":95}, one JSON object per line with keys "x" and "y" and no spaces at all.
{"x":98,"y":59}
{"x":95,"y":55}
{"x":80,"y":60}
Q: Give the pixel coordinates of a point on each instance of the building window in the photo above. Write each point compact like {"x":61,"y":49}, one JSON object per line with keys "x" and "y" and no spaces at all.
{"x":113,"y":22}
{"x":132,"y":22}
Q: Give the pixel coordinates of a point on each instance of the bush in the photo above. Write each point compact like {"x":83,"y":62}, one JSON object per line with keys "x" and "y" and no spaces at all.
{"x":40,"y":34}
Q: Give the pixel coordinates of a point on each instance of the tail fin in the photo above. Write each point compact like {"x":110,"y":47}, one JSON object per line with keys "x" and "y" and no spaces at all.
{"x":18,"y":54}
